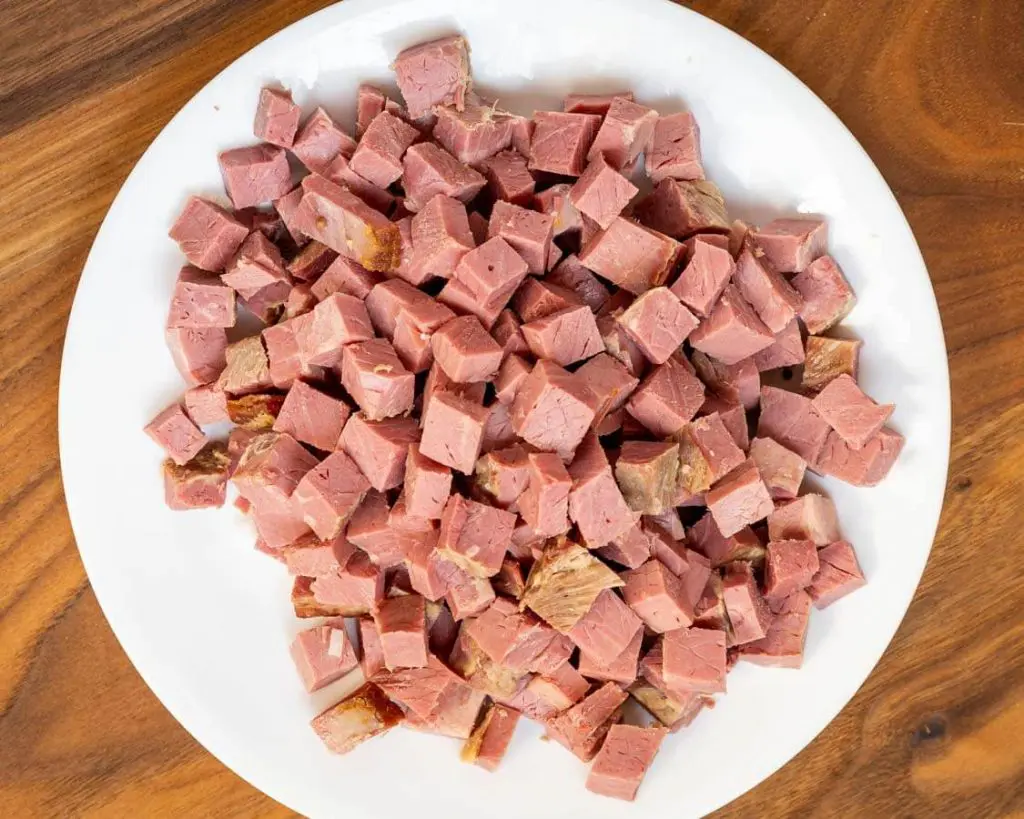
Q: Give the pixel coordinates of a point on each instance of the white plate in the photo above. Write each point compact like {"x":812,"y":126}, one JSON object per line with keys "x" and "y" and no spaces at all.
{"x":206,"y":619}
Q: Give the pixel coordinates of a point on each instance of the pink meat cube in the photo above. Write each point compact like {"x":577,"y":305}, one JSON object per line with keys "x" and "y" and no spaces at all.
{"x":176,"y":434}
{"x":417,"y":323}
{"x":311,"y":416}
{"x":562,"y":141}
{"x":658,"y":323}
{"x":498,"y":431}
{"x":555,"y":201}
{"x":790,"y":245}
{"x":489,"y":742}
{"x":772,"y":297}
{"x":402,"y":628}
{"x":430,"y":170}
{"x":838,"y":575}
{"x":789,"y":566}
{"x":535,"y":299}
{"x":783,"y":645}
{"x":739,"y":499}
{"x":271,"y":467}
{"x":207,"y":234}
{"x":386,"y":301}
{"x":372,"y":655}
{"x":511,"y":375}
{"x":286,"y":360}
{"x":464,"y":301}
{"x":789,"y":419}
{"x":572,"y":275}
{"x":320,"y":140}
{"x":200,"y":300}
{"x":631,"y":256}
{"x":427,"y":485}
{"x":255,"y":175}
{"x":311,"y":557}
{"x":826,"y":294}
{"x":647,"y":473}
{"x":329,"y":493}
{"x":341,"y":173}
{"x":582,"y":728}
{"x":602,"y":193}
{"x":552,"y":410}
{"x":370,"y":530}
{"x":592,"y":103}
{"x":344,"y":275}
{"x":625,"y":132}
{"x":467,"y":595}
{"x":474,"y":133}
{"x":852,"y":414}
{"x":668,"y":398}
{"x":786,"y":351}
{"x":478,"y":224}
{"x":623,"y":760}
{"x":508,"y":178}
{"x":564,"y":337}
{"x":356,"y":590}
{"x":621,"y":670}
{"x":781,"y":469}
{"x":474,"y":536}
{"x":528,"y":233}
{"x":376,"y":378}
{"x":287,"y":207}
{"x":658,"y":597}
{"x":370,"y":101}
{"x":733,"y":331}
{"x":705,"y":276}
{"x":379,"y":448}
{"x":277,"y":117}
{"x":866,"y":466}
{"x":323,"y":654}
{"x":630,"y":550}
{"x":337,"y":321}
{"x":466,"y":351}
{"x":596,"y":504}
{"x":706,"y":538}
{"x":545,"y":503}
{"x":300,"y":301}
{"x":378,"y":158}
{"x":610,"y":383}
{"x":453,"y":430}
{"x":438,"y":382}
{"x":492,"y":272}
{"x":749,"y":615}
{"x":693,"y":660}
{"x":247,"y":368}
{"x":733,"y":415}
{"x":441,"y":238}
{"x":681,"y":209}
{"x":503,"y":475}
{"x":267,"y":303}
{"x":456,"y":714}
{"x":811,"y":517}
{"x":674,"y":151}
{"x":366,"y":713}
{"x":426,"y":568}
{"x":206,"y":405}
{"x":258,"y":264}
{"x":738,"y":383}
{"x":828,"y":358}
{"x":708,"y":448}
{"x":434,"y":73}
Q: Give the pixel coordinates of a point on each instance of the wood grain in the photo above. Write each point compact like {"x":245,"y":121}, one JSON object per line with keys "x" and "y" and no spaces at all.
{"x":933,"y":90}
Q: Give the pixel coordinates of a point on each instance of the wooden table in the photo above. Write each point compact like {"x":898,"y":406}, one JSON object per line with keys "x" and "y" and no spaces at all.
{"x":933,"y":89}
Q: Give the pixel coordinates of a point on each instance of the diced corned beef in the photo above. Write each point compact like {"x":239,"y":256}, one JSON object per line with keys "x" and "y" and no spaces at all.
{"x":376,"y":378}
{"x":300,"y":301}
{"x":255,"y":412}
{"x":629,"y":550}
{"x":552,"y":410}
{"x":427,"y":484}
{"x":786,"y":351}
{"x":621,"y":670}
{"x":555,"y":201}
{"x":631,"y":256}
{"x":207,"y":234}
{"x":508,"y":178}
{"x":693,"y":660}
{"x":277,"y":117}
{"x":311,"y":557}
{"x":431,"y":170}
{"x":453,"y":431}
{"x":464,"y":302}
{"x":456,"y":713}
{"x":707,"y":453}
{"x":781,"y":470}
{"x":385,"y":301}
{"x":772,"y":297}
{"x":255,"y":175}
{"x":658,"y":597}
{"x":792,"y":244}
{"x":733,"y":416}
{"x":610,"y":383}
{"x":329,"y":493}
{"x":201,"y":300}
{"x":286,"y":360}
{"x":417,"y":323}
{"x":354,"y":590}
{"x":320,"y":140}
{"x":426,"y":568}
{"x":619,"y":345}
{"x":749,"y":615}
{"x":668,"y":522}
{"x":827,"y":295}
{"x":492,"y":271}
{"x":733,"y":331}
{"x":490,"y":739}
{"x":480,"y":671}
{"x":658,"y":323}
{"x":304,"y":603}
{"x":582,"y":728}
{"x":536,"y":299}
{"x":206,"y":404}
{"x":341,"y":173}
{"x":789,"y":566}
{"x":370,"y":530}
{"x":528,"y":233}
{"x":509,"y":581}
{"x":783,"y":645}
{"x":287,"y":208}
{"x":438,"y":382}
{"x":312,"y":416}
{"x":828,"y":358}
{"x":199,"y":484}
{"x":674,"y":712}
{"x":511,"y":375}
{"x":789,"y":419}
{"x":370,"y":101}
{"x":402,"y":629}
{"x":866,"y":466}
{"x":258,"y":264}
{"x":478,"y":224}
{"x":564,"y":337}
{"x":561,"y":141}
{"x":337,"y":321}
{"x":705,"y":276}
{"x":592,"y":103}
{"x":379,"y":448}
{"x":441,"y":238}
{"x":623,"y":760}
{"x":681,"y":209}
{"x":596,"y":504}
{"x":696,"y":576}
{"x":466,"y":351}
{"x":366,"y":713}
{"x":667,"y":399}
{"x":544,"y":504}
{"x":503,"y":475}
{"x":838,"y":575}
{"x":434,"y":73}
{"x":625,"y":132}
{"x":602,"y":193}
{"x":854,"y":416}
{"x":371,"y":657}
{"x":474,"y":133}
{"x":738,"y":383}
{"x":706,"y":537}
{"x":441,"y":628}
{"x":247,"y":368}
{"x":709,"y":611}
{"x":345,"y":276}
{"x":419,"y":690}
{"x":508,"y":637}
{"x":378,"y":157}
{"x":467,"y":595}
{"x":323,"y":654}
{"x":267,"y":304}
{"x":674,"y":150}
{"x":475,"y":536}
{"x":646,"y":472}
{"x":739,"y":499}
{"x":572,"y":275}
{"x":811,"y":517}
{"x":176,"y":434}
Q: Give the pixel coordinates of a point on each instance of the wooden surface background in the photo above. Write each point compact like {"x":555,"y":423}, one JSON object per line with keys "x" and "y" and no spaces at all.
{"x":933,"y":89}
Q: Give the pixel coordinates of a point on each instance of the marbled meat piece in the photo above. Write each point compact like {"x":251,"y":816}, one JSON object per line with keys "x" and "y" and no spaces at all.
{"x":827,"y":358}
{"x":365,"y":714}
{"x":434,"y":73}
{"x":781,"y":469}
{"x":811,"y":517}
{"x":323,"y":654}
{"x":199,"y":484}
{"x":674,"y":150}
{"x":207,"y":234}
{"x":582,"y":728}
{"x":489,"y":742}
{"x":838,"y":575}
{"x":647,"y":473}
{"x":658,"y":324}
{"x":623,"y":760}
{"x":681,"y":209}
{"x":631,"y":256}
{"x":379,"y":448}
{"x":790,"y":244}
{"x":475,"y":536}
{"x":561,"y":141}
{"x":826,"y":293}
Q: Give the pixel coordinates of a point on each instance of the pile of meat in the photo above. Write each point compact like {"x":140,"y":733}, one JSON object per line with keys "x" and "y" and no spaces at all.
{"x":540,"y":436}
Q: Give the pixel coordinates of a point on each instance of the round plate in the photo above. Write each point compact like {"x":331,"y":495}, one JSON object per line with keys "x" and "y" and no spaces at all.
{"x":207,"y":620}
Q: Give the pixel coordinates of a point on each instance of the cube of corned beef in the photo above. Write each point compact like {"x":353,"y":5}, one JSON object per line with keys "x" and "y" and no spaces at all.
{"x":176,"y":434}
{"x":674,"y":150}
{"x":789,"y":419}
{"x":467,"y":595}
{"x":503,"y":475}
{"x":866,"y":466}
{"x":739,"y":499}
{"x":438,"y":382}
{"x":783,"y":645}
{"x":311,"y":557}
{"x":664,"y":547}
{"x":285,"y":358}
{"x":371,"y":655}
{"x":378,"y":157}
{"x":304,"y":603}
{"x":555,"y":201}
{"x":474,"y":133}
{"x":492,"y":272}
{"x":561,"y":141}
{"x":528,"y":232}
{"x":206,"y":404}
{"x":341,"y":173}
{"x":434,"y":73}
{"x":749,"y":615}
{"x":475,"y":536}
{"x":379,"y":448}
{"x":277,"y":117}
{"x":596,"y":504}
{"x":453,"y":430}
{"x":854,"y":416}
{"x":792,"y":244}
{"x":511,"y":375}
{"x":582,"y":728}
{"x":329,"y":493}
{"x":207,"y":234}
{"x":430,"y":170}
{"x":323,"y":654}
{"x":693,"y":660}
{"x":625,"y":132}
{"x":312,"y":416}
{"x":790,"y":566}
{"x":478,"y":224}
{"x":247,"y":369}
{"x":490,"y":739}
{"x":427,"y":484}
{"x":707,"y":453}
{"x":826,"y":293}
{"x":811,"y":517}
{"x":464,"y":302}
{"x":622,"y":669}
{"x":738,"y":383}
{"x":658,"y":323}
{"x":681,"y":209}
{"x":509,"y":581}
{"x":631,"y":256}
{"x":705,"y":276}
{"x":707,"y":538}
{"x":300,"y":301}
{"x":564,"y":337}
{"x":733,"y":331}
{"x":786,"y":351}
{"x":667,"y":399}
{"x":572,"y":275}
{"x":781,"y":469}
{"x":441,"y":238}
{"x":647,"y":472}
{"x":278,"y":522}
{"x":674,"y":712}
{"x":658,"y":597}
{"x":629,"y":550}
{"x":201,"y":300}
{"x":592,"y":103}
{"x":838,"y":575}
{"x":420,"y":691}
{"x":827,"y":358}
{"x":456,"y":714}
{"x":287,"y":208}
{"x":696,"y":576}
{"x":255,"y":175}
{"x":668,"y":522}
{"x":376,"y":378}
{"x":385,"y":301}
{"x":370,"y":530}
{"x":544,"y":505}
{"x":509,"y":637}
{"x":337,"y":321}
{"x":366,"y":713}
{"x":320,"y":140}
{"x":498,"y":431}
{"x":538,"y":298}
{"x":552,"y":410}
{"x":345,"y":276}
{"x":271,"y":467}
{"x":370,"y":101}
{"x":623,"y":760}
{"x":610,"y":383}
{"x":508,"y":178}
{"x":772,"y":297}
{"x":466,"y":351}
{"x":417,"y":323}
{"x":402,"y":629}
{"x":267,"y":304}
{"x":258,"y":264}
{"x":345,"y":223}
{"x":199,"y":484}
{"x":602,"y":193}
{"x":733,"y":415}
{"x":426,"y":568}
{"x":354,"y":590}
